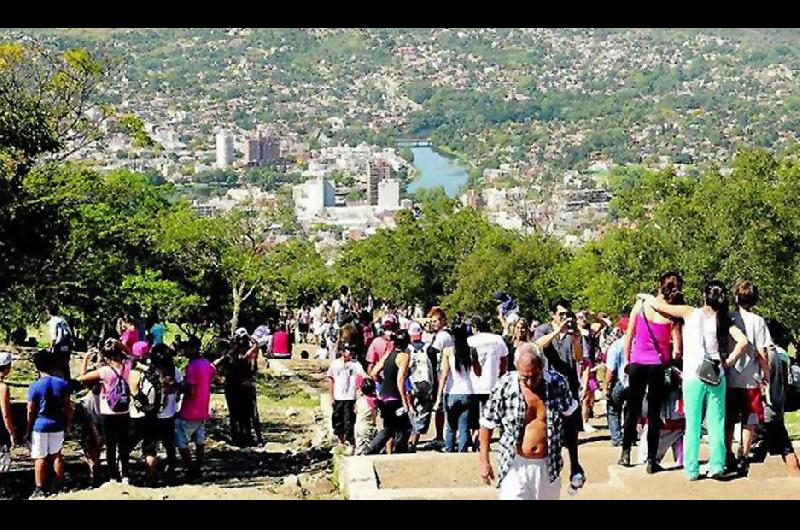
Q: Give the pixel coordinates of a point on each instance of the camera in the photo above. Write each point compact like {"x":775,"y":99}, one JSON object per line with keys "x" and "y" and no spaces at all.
{"x":571,"y":325}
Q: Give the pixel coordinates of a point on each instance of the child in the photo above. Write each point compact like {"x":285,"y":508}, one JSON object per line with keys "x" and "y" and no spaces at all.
{"x":366,"y":416}
{"x":342,"y":375}
{"x":8,"y":434}
{"x":49,"y":417}
{"x":322,"y":352}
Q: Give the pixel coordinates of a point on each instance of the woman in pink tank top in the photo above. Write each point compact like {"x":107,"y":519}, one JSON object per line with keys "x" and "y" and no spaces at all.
{"x":648,"y":350}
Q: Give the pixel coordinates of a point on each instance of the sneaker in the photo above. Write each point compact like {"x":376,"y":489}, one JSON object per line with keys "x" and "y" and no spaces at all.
{"x":125,"y":481}
{"x":653,"y":467}
{"x":588,"y":428}
{"x":625,"y":458}
{"x":694,"y":478}
{"x":38,"y":493}
{"x":743,"y":467}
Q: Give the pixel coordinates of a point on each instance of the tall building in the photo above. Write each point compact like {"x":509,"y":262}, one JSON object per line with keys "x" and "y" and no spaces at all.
{"x":313,"y":196}
{"x":224,"y":149}
{"x":262,"y":150}
{"x":377,"y":170}
{"x":388,"y":194}
{"x":252,"y":151}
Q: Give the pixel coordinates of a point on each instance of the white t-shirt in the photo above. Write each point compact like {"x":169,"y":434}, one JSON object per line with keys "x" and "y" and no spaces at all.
{"x":52,"y":326}
{"x":344,"y":378}
{"x":743,"y":374}
{"x":322,"y":353}
{"x":458,"y":382}
{"x":699,"y":339}
{"x":171,"y":402}
{"x":491,"y":348}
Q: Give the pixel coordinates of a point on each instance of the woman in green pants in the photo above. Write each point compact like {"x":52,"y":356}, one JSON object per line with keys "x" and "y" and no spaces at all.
{"x":705,"y":334}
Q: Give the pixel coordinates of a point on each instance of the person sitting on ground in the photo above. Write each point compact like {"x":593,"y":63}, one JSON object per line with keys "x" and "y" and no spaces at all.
{"x":771,"y":436}
{"x":393,"y":402}
{"x":322,"y":351}
{"x":530,"y":460}
{"x":366,"y":415}
{"x":195,"y":407}
{"x":8,"y":433}
{"x":342,"y":374}
{"x":49,"y":419}
{"x":115,"y":398}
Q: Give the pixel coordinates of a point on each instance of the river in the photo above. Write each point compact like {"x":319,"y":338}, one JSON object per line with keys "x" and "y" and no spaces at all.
{"x":437,"y":170}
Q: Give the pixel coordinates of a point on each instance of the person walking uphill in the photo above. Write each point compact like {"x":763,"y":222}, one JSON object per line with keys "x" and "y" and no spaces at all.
{"x":648,"y":351}
{"x":393,"y":400}
{"x":704,"y":330}
{"x":529,"y":406}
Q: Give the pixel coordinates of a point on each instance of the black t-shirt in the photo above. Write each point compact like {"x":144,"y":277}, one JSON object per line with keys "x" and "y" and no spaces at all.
{"x":559,"y":353}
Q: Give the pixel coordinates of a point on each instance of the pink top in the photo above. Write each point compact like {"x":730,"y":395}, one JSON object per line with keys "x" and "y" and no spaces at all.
{"x":129,"y":338}
{"x":377,"y":349}
{"x":643,"y":351}
{"x":280,"y":342}
{"x":108,"y":376}
{"x":199,"y":374}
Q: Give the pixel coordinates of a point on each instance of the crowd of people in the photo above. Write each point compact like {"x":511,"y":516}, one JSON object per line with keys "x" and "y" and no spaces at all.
{"x":667,"y":371}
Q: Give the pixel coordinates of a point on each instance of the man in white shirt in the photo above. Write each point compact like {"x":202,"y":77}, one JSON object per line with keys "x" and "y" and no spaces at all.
{"x":441,"y":339}
{"x":492,"y":354}
{"x":743,"y":375}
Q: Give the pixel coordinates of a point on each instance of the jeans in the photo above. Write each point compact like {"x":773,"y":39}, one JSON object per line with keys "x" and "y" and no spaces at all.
{"x":649,"y":378}
{"x":616,"y":403}
{"x":395,"y":427}
{"x":694,"y":395}
{"x":458,"y":408}
{"x":116,"y":430}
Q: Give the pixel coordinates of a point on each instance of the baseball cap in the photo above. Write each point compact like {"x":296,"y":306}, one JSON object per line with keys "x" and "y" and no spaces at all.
{"x":140,"y":349}
{"x":389,"y":322}
{"x":5,"y":358}
{"x":415,"y":330}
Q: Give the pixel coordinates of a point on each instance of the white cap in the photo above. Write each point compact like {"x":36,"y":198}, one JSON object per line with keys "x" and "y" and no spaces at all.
{"x":5,"y":358}
{"x":415,"y":328}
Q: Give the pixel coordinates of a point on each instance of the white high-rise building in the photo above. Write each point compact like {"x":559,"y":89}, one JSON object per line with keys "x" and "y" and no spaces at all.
{"x":388,"y":194}
{"x":224,"y":149}
{"x":312,"y":197}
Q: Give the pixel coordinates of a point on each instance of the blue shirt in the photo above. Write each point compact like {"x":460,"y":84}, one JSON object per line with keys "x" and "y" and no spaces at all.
{"x":615,"y":360}
{"x":157,"y":331}
{"x":48,"y":395}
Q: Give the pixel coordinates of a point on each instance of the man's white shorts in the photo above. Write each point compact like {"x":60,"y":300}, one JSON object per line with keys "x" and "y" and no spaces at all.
{"x":44,"y":444}
{"x":527,"y":480}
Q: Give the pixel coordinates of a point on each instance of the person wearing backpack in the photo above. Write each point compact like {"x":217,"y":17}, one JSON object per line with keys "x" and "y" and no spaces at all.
{"x":49,"y":419}
{"x":115,"y":399}
{"x":422,"y":375}
{"x":146,"y":400}
{"x":61,"y":340}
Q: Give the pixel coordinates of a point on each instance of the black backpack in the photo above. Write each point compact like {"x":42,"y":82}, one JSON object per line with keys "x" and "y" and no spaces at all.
{"x":150,"y":394}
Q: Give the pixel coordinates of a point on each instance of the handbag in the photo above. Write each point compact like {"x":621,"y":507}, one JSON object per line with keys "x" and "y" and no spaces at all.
{"x":710,"y":370}
{"x":669,"y":381}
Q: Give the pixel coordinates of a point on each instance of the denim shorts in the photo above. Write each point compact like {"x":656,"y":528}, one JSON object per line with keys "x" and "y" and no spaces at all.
{"x":189,"y":431}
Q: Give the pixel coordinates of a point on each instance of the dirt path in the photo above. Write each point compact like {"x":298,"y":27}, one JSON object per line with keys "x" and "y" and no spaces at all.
{"x":295,"y":463}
